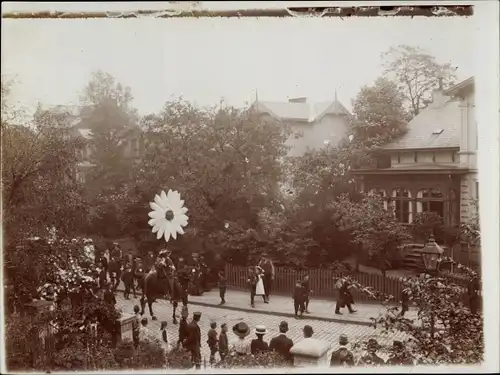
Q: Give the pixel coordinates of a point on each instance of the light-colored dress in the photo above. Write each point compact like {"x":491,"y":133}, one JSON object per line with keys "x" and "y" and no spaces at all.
{"x":241,"y":346}
{"x":259,"y":288}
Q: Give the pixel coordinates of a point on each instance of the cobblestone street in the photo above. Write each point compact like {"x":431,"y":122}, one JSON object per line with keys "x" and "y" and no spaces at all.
{"x":328,"y":331}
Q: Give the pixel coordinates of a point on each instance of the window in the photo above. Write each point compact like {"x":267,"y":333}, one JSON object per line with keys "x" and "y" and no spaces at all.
{"x":381,"y":193}
{"x":415,"y":157}
{"x":402,"y":205}
{"x":430,"y":200}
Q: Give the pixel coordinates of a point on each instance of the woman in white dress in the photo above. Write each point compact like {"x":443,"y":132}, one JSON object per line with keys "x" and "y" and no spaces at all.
{"x":259,"y":288}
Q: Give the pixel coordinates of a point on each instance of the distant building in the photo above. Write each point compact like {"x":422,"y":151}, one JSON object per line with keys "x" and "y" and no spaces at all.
{"x":314,"y":125}
{"x":433,"y":167}
{"x":69,"y":117}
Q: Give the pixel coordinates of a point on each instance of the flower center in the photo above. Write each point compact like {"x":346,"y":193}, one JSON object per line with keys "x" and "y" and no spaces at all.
{"x":169,"y":215}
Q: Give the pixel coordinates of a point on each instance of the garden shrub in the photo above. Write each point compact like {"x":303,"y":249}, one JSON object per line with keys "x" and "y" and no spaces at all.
{"x":261,"y":360}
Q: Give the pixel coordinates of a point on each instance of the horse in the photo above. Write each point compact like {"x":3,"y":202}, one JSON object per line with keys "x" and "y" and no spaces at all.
{"x":159,"y":282}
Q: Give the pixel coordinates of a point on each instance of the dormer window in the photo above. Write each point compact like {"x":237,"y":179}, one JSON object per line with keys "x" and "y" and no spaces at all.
{"x":437,"y":131}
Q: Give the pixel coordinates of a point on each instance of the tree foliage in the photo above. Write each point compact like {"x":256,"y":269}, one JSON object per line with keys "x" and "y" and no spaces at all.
{"x":416,"y":74}
{"x":38,"y":159}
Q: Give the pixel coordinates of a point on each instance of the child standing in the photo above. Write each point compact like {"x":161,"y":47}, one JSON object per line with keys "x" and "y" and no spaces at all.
{"x":298,"y":299}
{"x":164,"y":338}
{"x":136,"y":326}
{"x":252,"y":282}
{"x":183,"y":326}
{"x":222,"y":287}
{"x":212,"y":341}
{"x":223,"y":342}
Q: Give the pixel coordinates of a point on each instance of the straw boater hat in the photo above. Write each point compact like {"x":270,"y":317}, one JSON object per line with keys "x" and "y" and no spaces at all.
{"x":260,"y":330}
{"x":241,"y":330}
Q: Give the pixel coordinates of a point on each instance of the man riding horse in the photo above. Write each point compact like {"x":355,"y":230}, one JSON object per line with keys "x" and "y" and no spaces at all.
{"x":163,"y":280}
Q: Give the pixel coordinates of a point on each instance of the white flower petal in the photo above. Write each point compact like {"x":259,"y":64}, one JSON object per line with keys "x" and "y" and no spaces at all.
{"x":174,"y":234}
{"x":180,"y":230}
{"x":184,"y":210}
{"x":167,"y":234}
{"x":169,"y":194}
{"x":156,"y":227}
{"x":160,"y":202}
{"x":152,"y":222}
{"x":156,"y":207}
{"x":182,"y":220}
{"x":163,"y":195}
{"x":161,"y":231}
{"x":156,"y":214}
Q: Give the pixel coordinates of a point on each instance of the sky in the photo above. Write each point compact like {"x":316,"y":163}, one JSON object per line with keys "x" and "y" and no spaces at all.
{"x":207,"y":59}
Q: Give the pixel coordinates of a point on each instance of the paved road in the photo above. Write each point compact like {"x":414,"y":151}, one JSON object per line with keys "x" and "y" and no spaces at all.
{"x":328,"y":331}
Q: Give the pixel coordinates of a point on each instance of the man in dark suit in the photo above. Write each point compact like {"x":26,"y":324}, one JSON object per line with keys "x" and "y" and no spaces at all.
{"x":267,"y":265}
{"x":193,"y":340}
{"x":282,"y":344}
{"x":345,"y":298}
{"x":342,"y":356}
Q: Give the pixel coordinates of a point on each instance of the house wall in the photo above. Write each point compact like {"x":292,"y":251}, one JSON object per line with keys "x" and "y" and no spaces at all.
{"x":414,"y":183}
{"x":329,"y":130}
{"x":406,"y":158}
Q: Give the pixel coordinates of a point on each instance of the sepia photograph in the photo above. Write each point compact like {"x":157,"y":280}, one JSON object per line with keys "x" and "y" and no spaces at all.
{"x":215,"y":193}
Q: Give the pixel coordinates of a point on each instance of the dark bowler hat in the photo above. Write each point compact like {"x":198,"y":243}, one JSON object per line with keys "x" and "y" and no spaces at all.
{"x":396,"y":344}
{"x":308,"y":329}
{"x":197,"y":314}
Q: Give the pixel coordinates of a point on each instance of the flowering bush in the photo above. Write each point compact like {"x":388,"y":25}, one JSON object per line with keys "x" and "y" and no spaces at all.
{"x":179,"y":358}
{"x":446,"y":330}
{"x":261,"y":360}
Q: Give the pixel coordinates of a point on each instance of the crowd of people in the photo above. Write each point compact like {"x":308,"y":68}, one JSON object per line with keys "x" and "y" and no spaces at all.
{"x":189,"y":338}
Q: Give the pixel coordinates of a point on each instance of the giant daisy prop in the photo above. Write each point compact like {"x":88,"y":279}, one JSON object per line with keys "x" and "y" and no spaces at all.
{"x":168,"y":216}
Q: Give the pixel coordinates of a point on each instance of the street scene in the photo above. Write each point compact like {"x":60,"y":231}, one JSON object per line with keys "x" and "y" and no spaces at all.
{"x":207,"y":193}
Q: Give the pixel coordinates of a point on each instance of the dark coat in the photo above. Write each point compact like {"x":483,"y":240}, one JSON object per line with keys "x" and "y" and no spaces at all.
{"x":193,"y":340}
{"x":223,"y":343}
{"x":183,"y":330}
{"x":345,"y":296}
{"x":342,"y":356}
{"x":282,"y":345}
{"x":399,"y":361}
{"x":127,"y":277}
{"x":258,"y":346}
{"x":109,"y":297}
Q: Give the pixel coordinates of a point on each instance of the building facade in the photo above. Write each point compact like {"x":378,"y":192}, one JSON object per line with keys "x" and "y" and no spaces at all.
{"x":313,"y":125}
{"x":433,"y":167}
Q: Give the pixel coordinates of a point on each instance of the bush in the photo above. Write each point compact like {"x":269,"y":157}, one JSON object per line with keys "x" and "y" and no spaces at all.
{"x":179,"y":358}
{"x":262,"y":360}
{"x":149,"y":355}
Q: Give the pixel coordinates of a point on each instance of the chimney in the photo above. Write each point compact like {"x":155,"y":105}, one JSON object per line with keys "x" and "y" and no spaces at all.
{"x":438,"y":97}
{"x":301,"y":99}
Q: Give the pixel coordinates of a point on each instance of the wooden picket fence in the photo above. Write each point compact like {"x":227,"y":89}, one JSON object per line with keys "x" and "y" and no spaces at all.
{"x":322,"y":282}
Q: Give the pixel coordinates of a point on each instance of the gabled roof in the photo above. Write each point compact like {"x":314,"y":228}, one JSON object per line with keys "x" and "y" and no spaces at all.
{"x":424,"y":130}
{"x":460,"y":87}
{"x":307,"y":112}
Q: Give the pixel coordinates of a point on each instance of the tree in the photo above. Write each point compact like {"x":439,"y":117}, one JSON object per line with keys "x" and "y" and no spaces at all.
{"x":416,"y":74}
{"x":106,"y":110}
{"x":224,"y":161}
{"x":379,"y":114}
{"x":371,"y":226}
{"x":38,"y":160}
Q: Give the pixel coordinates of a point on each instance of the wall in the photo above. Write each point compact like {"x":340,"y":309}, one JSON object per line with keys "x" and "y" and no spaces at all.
{"x":469,"y":131}
{"x":331,"y":128}
{"x":424,"y":157}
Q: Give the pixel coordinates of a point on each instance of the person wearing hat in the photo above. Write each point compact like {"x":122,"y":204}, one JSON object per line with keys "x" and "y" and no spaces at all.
{"x":193,"y":340}
{"x":258,"y":345}
{"x":212,"y":341}
{"x":267,"y":265}
{"x":282,"y":344}
{"x":371,"y":358}
{"x":399,"y":356}
{"x":183,"y":324}
{"x":345,"y":297}
{"x":342,"y":356}
{"x":307,"y":331}
{"x":241,"y":346}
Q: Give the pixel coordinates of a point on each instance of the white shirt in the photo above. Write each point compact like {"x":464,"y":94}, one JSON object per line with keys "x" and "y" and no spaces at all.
{"x":241,"y":346}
